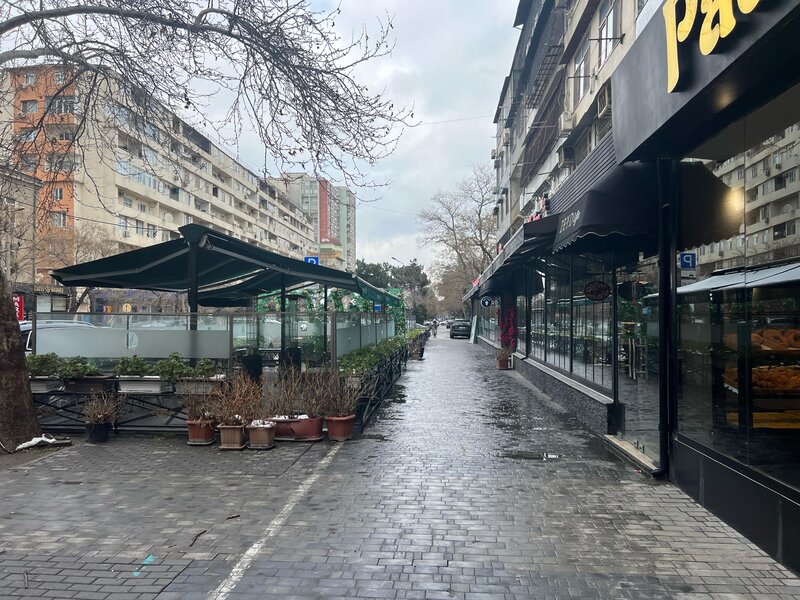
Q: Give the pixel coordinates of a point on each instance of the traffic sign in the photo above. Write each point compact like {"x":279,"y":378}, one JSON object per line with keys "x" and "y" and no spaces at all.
{"x":486,"y":301}
{"x":688,"y":260}
{"x":312,"y":260}
{"x":126,"y":308}
{"x":378,"y":308}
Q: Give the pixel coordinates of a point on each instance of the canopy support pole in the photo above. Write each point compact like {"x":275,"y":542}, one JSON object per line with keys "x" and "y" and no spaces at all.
{"x":283,"y":317}
{"x":192,"y":297}
{"x":325,"y":322}
{"x":375,"y":321}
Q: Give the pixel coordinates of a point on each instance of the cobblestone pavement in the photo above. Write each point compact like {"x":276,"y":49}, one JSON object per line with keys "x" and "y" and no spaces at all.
{"x":470,"y":485}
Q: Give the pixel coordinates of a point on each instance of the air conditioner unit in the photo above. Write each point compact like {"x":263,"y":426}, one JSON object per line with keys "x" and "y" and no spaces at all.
{"x":565,"y":123}
{"x":506,"y":136}
{"x":778,"y":165}
{"x":604,"y":102}
{"x":767,"y":171}
{"x":566,"y":156}
{"x":497,"y":163}
{"x":494,"y":153}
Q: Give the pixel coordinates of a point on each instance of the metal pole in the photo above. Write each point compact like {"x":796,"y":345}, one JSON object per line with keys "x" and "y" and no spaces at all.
{"x":283,"y":317}
{"x":325,"y":317}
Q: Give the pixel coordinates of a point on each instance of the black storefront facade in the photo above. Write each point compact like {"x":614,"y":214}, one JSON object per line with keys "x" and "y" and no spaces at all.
{"x":662,"y":304}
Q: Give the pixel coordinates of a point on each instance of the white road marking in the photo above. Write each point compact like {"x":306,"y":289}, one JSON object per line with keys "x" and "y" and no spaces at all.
{"x":238,"y":571}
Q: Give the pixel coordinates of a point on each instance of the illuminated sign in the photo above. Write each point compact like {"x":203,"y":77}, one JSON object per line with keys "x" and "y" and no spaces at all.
{"x":718,"y":22}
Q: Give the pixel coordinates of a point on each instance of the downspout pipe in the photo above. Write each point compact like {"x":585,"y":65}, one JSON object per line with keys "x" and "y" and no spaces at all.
{"x":667,"y":195}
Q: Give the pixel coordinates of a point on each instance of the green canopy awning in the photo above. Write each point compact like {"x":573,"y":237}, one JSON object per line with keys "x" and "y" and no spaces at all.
{"x":228,"y":271}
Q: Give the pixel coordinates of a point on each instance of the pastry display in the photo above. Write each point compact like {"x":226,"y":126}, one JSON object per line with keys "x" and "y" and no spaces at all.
{"x":775,"y":379}
{"x":768,"y":338}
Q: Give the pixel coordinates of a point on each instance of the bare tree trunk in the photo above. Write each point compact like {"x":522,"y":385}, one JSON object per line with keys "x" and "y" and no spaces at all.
{"x":18,"y":422}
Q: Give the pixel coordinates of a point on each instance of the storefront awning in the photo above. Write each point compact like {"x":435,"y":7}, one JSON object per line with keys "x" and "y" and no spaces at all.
{"x":787,"y":274}
{"x":620,"y":211}
{"x":535,"y":238}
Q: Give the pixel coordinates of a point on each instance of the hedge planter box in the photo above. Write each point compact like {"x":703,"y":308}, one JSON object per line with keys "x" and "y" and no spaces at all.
{"x":42,"y":385}
{"x":340,"y":429}
{"x":201,"y":433}
{"x":148,"y":384}
{"x":197,"y":386}
{"x":97,"y":433}
{"x":89,"y":385}
{"x":260,"y":438}
{"x":231,"y":437}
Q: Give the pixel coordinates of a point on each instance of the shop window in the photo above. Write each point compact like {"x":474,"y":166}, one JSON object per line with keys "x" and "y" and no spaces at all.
{"x":739,"y":343}
{"x":591,"y":320}
{"x":558,"y":316}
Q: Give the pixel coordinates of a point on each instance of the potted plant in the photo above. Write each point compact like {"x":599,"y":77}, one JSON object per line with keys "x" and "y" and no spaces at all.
{"x":81,"y":377}
{"x":135,"y":376}
{"x":508,"y":337}
{"x":43,"y":370}
{"x":200,"y":419}
{"x":100,"y":412}
{"x":308,"y":427}
{"x":341,"y":398}
{"x":260,"y":430}
{"x":282,"y":397}
{"x":200,"y":378}
{"x":233,"y":402}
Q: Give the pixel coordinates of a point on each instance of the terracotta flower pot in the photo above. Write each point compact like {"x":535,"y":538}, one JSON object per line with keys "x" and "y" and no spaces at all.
{"x":260,"y":438}
{"x":231,"y":437}
{"x":201,"y":433}
{"x":340,"y":428}
{"x":307,"y":430}
{"x":284,"y":429}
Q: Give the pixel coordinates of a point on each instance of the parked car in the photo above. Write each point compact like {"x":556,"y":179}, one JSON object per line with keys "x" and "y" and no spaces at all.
{"x":460,"y":327}
{"x":49,"y":330}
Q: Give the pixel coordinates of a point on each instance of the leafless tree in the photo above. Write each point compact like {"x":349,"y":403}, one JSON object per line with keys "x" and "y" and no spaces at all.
{"x":277,"y":67}
{"x":460,"y":225}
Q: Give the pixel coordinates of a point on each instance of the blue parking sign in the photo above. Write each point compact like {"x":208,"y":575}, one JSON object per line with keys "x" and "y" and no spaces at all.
{"x":312,"y":260}
{"x":688,"y":260}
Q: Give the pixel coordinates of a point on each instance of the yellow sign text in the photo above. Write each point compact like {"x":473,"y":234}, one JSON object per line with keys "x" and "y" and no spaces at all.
{"x":718,"y":21}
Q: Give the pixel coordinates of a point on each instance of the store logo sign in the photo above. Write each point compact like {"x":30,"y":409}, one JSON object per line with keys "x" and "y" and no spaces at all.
{"x":718,"y":21}
{"x":569,"y":221}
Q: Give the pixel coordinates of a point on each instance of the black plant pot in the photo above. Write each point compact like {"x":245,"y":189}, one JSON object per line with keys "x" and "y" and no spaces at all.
{"x":97,"y":433}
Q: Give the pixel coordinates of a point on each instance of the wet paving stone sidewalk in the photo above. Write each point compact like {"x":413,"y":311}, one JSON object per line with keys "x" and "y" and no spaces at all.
{"x":469,"y":485}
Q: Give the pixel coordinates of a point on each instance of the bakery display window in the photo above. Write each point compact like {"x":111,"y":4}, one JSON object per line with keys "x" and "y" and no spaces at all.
{"x":738,"y":306}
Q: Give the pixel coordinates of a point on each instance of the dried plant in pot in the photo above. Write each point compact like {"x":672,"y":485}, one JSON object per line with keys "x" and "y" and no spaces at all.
{"x":311,"y":396}
{"x":503,"y":357}
{"x":342,"y":396}
{"x":234,"y":401}
{"x":282,"y":402}
{"x":200,"y":418}
{"x":259,"y":428}
{"x":100,"y":412}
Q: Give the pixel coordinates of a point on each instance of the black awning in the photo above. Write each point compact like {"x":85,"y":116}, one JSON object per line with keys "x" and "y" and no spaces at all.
{"x":620,"y":212}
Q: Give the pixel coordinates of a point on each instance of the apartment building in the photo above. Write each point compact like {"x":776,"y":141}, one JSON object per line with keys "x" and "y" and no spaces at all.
{"x":332,"y":212}
{"x":139,"y":174}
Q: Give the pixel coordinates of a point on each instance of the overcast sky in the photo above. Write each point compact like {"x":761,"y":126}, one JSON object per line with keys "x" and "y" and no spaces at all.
{"x":449,"y":61}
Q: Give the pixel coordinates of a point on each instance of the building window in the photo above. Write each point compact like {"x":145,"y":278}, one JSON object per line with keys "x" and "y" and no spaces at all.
{"x":790,"y":176}
{"x":58,"y":194}
{"x":58,"y":77}
{"x":30,"y":78}
{"x":740,"y":173}
{"x":58,"y":219}
{"x":609,"y":29}
{"x":61,"y":105}
{"x":754,"y":171}
{"x":142,"y":207}
{"x":791,"y":227}
{"x":30,"y":106}
{"x":139,"y":227}
{"x":151,"y":231}
{"x":581,"y":70}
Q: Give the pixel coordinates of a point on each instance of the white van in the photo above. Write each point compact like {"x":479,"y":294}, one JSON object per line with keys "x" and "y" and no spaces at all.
{"x":50,"y":331}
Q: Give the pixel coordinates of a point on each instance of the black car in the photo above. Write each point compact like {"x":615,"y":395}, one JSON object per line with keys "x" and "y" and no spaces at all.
{"x":460,"y":327}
